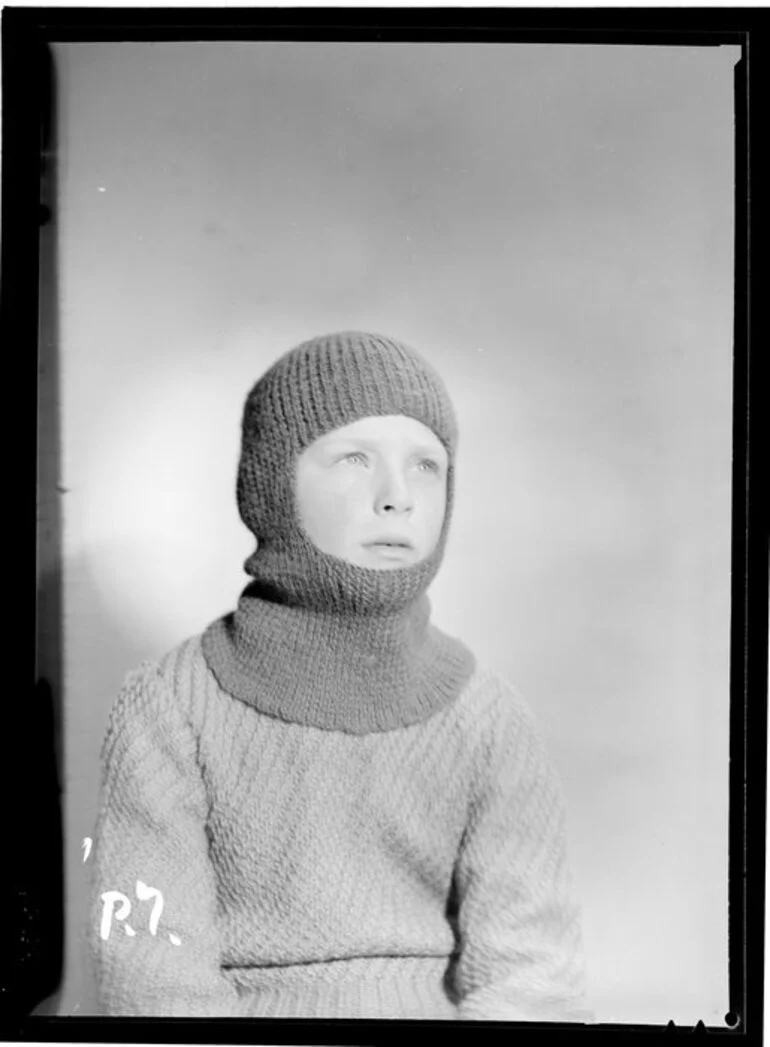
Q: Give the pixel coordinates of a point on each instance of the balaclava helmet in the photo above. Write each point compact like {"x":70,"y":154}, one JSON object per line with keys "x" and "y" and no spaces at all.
{"x":315,"y":639}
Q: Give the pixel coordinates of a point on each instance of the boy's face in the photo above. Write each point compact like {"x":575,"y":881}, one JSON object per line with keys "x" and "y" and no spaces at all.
{"x":374,"y":492}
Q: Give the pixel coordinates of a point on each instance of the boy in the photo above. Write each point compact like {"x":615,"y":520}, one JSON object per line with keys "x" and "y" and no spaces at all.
{"x":322,"y":807}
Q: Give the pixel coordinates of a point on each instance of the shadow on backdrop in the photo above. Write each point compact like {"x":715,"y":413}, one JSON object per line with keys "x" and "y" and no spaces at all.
{"x":57,"y":742}
{"x":108,"y":652}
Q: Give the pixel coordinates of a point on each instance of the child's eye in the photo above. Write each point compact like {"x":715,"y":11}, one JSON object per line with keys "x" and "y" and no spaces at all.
{"x":428,"y":465}
{"x":357,"y":457}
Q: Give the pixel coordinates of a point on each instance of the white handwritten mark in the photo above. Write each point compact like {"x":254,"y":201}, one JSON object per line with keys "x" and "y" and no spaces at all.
{"x":144,"y":894}
{"x":110,"y":899}
{"x":87,"y":841}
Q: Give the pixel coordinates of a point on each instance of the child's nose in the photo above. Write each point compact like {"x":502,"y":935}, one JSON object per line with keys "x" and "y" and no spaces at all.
{"x":394,"y":494}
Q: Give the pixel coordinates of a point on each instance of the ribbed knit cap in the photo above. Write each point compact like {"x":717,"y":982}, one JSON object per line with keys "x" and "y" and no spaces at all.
{"x":322,"y":385}
{"x":324,"y":641}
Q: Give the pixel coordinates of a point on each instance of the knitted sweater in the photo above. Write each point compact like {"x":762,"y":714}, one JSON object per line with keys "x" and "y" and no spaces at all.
{"x":269,"y":869}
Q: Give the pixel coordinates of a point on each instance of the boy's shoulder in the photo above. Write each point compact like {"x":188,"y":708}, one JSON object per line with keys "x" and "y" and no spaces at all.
{"x":153,"y":715}
{"x":165,"y":667}
{"x":490,"y":697}
{"x":182,"y":661}
{"x":504,"y":728}
{"x":162,"y":682}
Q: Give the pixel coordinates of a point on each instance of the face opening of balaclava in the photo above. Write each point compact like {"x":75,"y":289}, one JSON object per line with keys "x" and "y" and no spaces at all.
{"x":315,"y":639}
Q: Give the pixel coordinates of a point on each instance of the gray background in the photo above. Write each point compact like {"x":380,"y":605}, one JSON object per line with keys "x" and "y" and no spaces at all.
{"x":552,"y":226}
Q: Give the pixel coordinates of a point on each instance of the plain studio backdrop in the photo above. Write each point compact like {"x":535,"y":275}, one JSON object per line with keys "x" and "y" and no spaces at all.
{"x":552,"y":226}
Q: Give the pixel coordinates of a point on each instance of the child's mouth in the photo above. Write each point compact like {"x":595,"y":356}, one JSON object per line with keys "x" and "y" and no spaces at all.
{"x":390,"y":549}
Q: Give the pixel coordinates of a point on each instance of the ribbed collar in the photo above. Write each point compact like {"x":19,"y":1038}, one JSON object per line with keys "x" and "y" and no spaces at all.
{"x":352,"y":673}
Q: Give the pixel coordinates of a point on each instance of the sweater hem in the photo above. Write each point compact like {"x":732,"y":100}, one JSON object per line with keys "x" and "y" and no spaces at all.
{"x":396,"y":987}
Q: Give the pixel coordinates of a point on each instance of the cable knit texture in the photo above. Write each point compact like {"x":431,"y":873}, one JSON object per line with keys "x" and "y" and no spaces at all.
{"x":412,"y":873}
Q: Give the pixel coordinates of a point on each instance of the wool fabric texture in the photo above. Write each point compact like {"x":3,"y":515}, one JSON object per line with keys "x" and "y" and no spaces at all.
{"x":314,"y":639}
{"x":298,"y":872}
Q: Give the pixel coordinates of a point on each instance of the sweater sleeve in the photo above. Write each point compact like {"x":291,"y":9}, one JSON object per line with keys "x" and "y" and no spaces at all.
{"x":153,"y":907}
{"x":520,"y":943}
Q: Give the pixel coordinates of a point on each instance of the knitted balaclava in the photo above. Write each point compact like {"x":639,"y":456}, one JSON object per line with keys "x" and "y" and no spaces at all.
{"x":318,"y":640}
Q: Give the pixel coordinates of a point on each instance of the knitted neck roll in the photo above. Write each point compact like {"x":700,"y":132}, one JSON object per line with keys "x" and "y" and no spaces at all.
{"x":315,"y":639}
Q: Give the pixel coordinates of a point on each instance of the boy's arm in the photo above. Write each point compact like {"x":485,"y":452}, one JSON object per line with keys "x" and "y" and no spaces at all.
{"x":151,"y":840}
{"x":521,"y":956}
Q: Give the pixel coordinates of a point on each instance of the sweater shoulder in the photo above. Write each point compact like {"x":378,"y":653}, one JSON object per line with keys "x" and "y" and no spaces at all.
{"x":491,"y":698}
{"x":160,"y":688}
{"x":509,"y":742}
{"x":499,"y":721}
